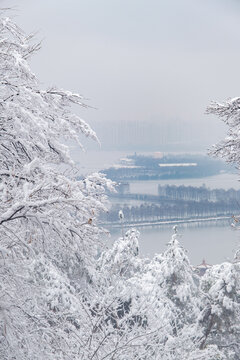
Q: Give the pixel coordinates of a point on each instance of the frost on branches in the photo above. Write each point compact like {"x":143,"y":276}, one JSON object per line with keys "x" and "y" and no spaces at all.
{"x":48,"y":225}
{"x":229,"y":113}
{"x":221,"y":307}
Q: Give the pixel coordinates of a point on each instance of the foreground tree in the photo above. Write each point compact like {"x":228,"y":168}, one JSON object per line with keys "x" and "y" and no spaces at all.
{"x":120,"y":308}
{"x":220,"y":316}
{"x":175,"y":293}
{"x":228,"y":112}
{"x":221,"y":308}
{"x":48,"y":225}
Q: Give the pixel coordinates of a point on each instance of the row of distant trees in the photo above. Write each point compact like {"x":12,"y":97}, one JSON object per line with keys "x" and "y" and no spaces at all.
{"x":198,"y":193}
{"x":168,"y":210}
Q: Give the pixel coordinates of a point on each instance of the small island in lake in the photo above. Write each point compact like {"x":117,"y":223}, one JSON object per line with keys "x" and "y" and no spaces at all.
{"x":160,"y":166}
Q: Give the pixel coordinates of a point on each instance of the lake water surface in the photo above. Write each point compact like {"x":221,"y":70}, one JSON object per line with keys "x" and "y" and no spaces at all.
{"x":214,"y":243}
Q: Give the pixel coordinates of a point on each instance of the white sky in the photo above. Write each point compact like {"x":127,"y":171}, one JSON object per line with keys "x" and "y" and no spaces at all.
{"x":139,"y":60}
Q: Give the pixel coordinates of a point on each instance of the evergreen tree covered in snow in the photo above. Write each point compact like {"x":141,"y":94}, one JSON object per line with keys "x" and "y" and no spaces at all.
{"x":118,"y":309}
{"x":174,"y":288}
{"x":221,"y":308}
{"x":122,"y":258}
{"x":220,"y":285}
{"x":178,"y":281}
{"x":228,"y":112}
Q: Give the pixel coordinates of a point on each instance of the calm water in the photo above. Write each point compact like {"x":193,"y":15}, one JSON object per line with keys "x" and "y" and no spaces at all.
{"x":213,"y":243}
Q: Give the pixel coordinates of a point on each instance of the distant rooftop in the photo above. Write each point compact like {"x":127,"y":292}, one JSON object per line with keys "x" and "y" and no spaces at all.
{"x":202,"y":268}
{"x":126,"y":167}
{"x":126,"y":160}
{"x":177,"y":164}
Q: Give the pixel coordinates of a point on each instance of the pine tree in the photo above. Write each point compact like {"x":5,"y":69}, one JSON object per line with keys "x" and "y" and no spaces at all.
{"x":175,"y":293}
{"x":221,"y":312}
{"x":178,"y":281}
{"x":221,"y":284}
{"x":228,"y":112}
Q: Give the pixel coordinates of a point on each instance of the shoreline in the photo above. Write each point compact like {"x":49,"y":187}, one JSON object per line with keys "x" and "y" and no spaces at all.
{"x":165,"y":222}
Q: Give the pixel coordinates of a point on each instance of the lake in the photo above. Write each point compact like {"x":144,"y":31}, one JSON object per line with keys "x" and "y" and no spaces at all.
{"x":214,"y":243}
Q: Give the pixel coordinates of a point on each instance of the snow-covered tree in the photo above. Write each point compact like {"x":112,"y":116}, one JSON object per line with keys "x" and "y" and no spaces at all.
{"x":132,"y":313}
{"x":221,"y":308}
{"x":118,"y":310}
{"x":48,"y":219}
{"x":122,"y":258}
{"x":174,"y":288}
{"x":229,"y":113}
{"x":220,"y":284}
{"x":178,"y":281}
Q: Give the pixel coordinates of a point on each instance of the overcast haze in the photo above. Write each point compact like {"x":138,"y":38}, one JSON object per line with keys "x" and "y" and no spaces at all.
{"x":156,"y":64}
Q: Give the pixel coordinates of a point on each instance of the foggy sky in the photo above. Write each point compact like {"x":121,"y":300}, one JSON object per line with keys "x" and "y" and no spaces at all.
{"x":150,"y":62}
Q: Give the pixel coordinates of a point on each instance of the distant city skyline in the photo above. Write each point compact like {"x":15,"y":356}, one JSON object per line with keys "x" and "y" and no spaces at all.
{"x":174,"y":136}
{"x":153,"y":62}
